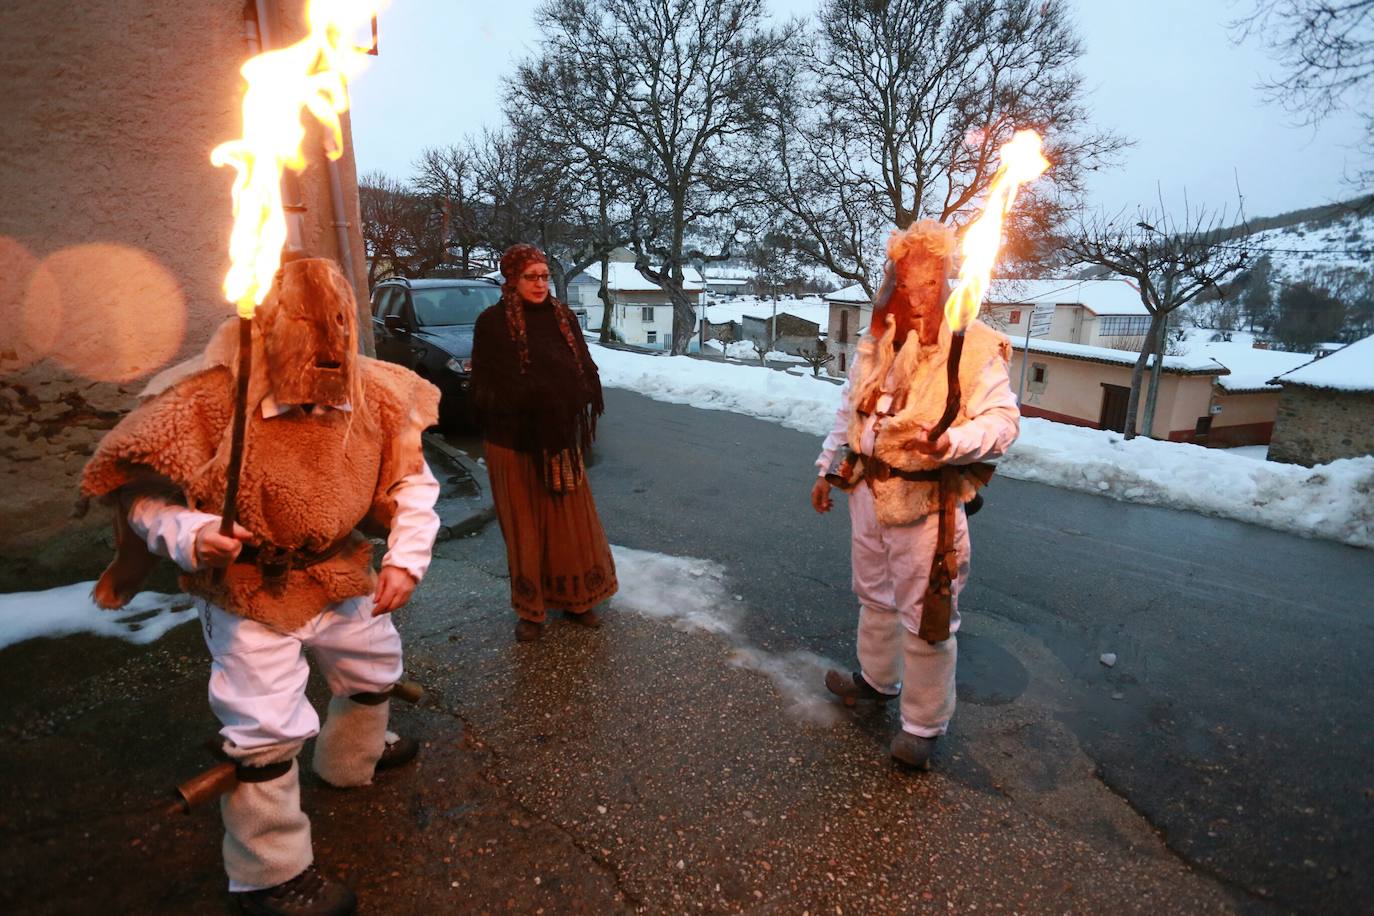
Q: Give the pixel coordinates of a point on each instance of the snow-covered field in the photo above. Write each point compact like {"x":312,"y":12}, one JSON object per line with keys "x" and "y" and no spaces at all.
{"x":1333,"y":501}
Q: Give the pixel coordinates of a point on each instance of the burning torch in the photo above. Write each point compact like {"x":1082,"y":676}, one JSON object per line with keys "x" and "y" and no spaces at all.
{"x":311,"y":74}
{"x":1021,"y":161}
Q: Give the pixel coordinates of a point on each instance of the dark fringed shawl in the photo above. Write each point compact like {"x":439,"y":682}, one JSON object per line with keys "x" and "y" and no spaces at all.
{"x":549,"y":406}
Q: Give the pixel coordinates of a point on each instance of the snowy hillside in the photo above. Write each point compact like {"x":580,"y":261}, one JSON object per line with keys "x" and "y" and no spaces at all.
{"x":1346,"y":243}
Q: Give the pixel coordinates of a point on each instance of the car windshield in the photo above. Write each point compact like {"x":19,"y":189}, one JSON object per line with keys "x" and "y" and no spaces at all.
{"x":452,"y":304}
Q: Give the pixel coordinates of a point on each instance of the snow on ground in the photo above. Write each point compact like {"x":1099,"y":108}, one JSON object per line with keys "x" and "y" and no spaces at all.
{"x":69,"y":609}
{"x":1252,"y":452}
{"x":1332,"y":501}
{"x":695,"y":594}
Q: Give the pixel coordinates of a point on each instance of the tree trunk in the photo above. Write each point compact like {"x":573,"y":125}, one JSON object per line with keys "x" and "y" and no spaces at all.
{"x":1137,"y":376}
{"x":684,"y":315}
{"x":604,"y":293}
{"x":1152,"y":396}
{"x":560,"y":280}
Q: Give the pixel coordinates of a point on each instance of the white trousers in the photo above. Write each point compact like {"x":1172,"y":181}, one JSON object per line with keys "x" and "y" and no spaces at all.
{"x":257,"y":680}
{"x":257,"y":691}
{"x":891,"y":566}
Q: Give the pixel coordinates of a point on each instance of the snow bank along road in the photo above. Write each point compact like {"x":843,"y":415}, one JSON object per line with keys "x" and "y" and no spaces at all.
{"x":1333,"y":500}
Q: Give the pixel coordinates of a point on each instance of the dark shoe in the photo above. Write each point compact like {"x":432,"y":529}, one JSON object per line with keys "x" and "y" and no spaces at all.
{"x":853,"y":688}
{"x":398,"y":753}
{"x":912,"y":750}
{"x":308,"y":894}
{"x":528,"y":630}
{"x":589,"y":618}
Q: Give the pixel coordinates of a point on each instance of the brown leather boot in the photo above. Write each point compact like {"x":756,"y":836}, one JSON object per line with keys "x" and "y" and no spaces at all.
{"x":528,"y":630}
{"x":588,"y":618}
{"x":853,"y":688}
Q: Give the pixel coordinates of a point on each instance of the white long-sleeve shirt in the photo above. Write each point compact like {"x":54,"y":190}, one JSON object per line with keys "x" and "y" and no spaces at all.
{"x":170,"y":529}
{"x":993,"y":424}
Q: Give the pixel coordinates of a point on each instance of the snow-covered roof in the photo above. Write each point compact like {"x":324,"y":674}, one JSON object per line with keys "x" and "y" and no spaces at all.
{"x":1113,"y":296}
{"x":850,"y":295}
{"x":1251,"y":369}
{"x":1350,"y":368}
{"x":725,"y":281}
{"x":810,"y":308}
{"x":1182,"y":365}
{"x":1101,"y":297}
{"x":625,"y":278}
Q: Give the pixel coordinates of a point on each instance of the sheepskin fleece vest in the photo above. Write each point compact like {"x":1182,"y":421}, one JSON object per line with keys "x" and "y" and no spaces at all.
{"x":919,"y":392}
{"x":307,"y":481}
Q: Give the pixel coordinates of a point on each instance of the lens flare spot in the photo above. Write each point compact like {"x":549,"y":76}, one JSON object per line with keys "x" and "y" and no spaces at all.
{"x":28,"y":334}
{"x":123,"y":314}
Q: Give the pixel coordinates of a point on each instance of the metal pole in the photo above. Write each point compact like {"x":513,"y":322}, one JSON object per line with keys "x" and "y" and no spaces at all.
{"x":1025,"y":359}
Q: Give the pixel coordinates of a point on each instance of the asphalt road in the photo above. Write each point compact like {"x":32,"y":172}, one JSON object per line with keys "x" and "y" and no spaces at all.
{"x":669,"y":762}
{"x":1236,"y":719}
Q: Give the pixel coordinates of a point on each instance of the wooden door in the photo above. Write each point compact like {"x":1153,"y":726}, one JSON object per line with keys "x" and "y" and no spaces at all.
{"x":1114,"y":401}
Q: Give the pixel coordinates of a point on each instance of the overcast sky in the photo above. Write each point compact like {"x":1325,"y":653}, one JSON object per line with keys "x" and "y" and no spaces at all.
{"x":1162,"y":72}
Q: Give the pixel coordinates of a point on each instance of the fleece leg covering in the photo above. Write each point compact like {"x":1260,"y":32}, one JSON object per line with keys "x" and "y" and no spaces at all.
{"x":351,"y":742}
{"x":880,"y":648}
{"x":266,"y":835}
{"x":928,"y":685}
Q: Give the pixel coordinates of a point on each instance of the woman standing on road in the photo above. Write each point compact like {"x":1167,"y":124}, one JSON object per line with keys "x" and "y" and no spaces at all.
{"x":537,"y":394}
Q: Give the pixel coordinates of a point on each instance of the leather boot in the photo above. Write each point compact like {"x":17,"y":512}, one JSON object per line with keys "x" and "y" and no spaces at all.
{"x":308,"y":894}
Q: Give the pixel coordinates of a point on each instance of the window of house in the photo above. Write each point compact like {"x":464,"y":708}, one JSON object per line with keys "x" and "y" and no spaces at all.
{"x":1015,"y":317}
{"x":646,"y":313}
{"x":1124,"y":326}
{"x":653,"y":337}
{"x":842,"y":368}
{"x":844,"y":328}
{"x":1038,"y":373}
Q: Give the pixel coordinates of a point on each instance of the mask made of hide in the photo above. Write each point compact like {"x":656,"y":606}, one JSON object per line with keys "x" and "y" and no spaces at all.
{"x":916,"y":284}
{"x":309,"y":334}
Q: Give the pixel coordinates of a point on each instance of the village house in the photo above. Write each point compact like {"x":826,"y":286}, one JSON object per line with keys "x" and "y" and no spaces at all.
{"x":788,"y":333}
{"x":1201,"y":398}
{"x":117,"y":225}
{"x":1096,"y":313}
{"x":1326,"y":410}
{"x":850,"y":311}
{"x":643,"y":312}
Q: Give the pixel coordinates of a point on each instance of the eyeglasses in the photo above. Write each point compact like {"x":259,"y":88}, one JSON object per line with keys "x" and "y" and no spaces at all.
{"x":536,"y":278}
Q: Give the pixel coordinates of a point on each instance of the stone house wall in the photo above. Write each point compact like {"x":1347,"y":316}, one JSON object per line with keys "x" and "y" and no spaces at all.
{"x":1318,"y":425}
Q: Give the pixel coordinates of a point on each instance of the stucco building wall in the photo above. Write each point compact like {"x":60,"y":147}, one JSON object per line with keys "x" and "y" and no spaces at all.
{"x":1318,"y":425}
{"x":1072,"y":393}
{"x":114,"y":233}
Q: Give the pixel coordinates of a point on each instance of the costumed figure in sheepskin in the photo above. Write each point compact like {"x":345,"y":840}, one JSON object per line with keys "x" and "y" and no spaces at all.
{"x":331,"y":455}
{"x":910,"y":545}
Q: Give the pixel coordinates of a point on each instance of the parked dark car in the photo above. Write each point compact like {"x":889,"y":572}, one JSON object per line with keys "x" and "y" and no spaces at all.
{"x":426,"y":325}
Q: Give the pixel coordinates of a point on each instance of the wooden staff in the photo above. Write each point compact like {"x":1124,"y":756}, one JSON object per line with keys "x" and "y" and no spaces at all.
{"x":229,"y":514}
{"x":953,"y":395}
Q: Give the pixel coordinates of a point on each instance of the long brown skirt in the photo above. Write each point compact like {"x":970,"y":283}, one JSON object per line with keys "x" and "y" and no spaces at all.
{"x":557,"y":552}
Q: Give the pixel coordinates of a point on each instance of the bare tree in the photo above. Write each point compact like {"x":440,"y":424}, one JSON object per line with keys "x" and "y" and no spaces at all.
{"x":816,"y":357}
{"x":680,"y":82}
{"x":1171,"y":261}
{"x":600,"y":207}
{"x":1326,"y":50}
{"x":896,"y":112}
{"x":401,"y":232}
{"x":447,"y":177}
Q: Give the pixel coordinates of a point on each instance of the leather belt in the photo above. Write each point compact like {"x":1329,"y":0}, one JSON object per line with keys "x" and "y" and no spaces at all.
{"x":275,"y":562}
{"x":876,"y":469}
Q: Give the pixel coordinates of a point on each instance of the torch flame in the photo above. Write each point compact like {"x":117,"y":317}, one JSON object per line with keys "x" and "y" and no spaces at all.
{"x":312,"y":74}
{"x":1022,"y":162}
